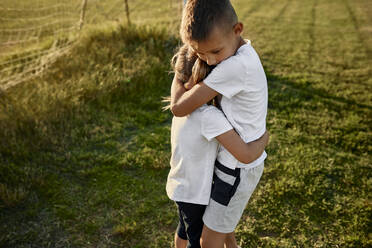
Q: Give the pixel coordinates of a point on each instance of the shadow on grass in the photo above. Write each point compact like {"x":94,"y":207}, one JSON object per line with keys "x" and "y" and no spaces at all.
{"x":315,"y":180}
{"x":334,"y":120}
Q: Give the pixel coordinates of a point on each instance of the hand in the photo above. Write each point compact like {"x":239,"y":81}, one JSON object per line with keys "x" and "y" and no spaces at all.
{"x":266,"y":137}
{"x":189,"y":84}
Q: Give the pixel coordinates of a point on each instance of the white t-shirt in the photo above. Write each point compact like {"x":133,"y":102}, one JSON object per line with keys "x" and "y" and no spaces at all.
{"x":194,"y":151}
{"x":241,"y":81}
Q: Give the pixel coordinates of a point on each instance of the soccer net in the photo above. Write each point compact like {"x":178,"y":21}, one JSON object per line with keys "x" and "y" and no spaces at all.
{"x":34,"y":33}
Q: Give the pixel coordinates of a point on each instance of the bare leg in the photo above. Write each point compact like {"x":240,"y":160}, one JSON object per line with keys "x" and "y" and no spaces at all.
{"x":212,"y":239}
{"x":230,"y":241}
{"x":178,"y":242}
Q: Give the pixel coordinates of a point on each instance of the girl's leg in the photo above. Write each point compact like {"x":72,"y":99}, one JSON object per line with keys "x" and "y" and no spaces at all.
{"x":212,"y":239}
{"x":190,"y":224}
{"x":178,"y":242}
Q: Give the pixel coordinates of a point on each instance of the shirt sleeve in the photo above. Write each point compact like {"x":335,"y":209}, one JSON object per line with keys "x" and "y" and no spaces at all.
{"x":226,"y":77}
{"x":214,"y":123}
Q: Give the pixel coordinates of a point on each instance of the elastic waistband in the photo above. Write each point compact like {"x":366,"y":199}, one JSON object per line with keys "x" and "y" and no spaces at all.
{"x":225,"y":169}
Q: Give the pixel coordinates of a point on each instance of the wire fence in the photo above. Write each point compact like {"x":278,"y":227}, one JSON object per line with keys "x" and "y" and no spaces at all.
{"x":34,"y":33}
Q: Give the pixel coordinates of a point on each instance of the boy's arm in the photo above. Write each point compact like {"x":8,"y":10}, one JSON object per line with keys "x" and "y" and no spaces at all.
{"x":183,"y":101}
{"x":244,"y":152}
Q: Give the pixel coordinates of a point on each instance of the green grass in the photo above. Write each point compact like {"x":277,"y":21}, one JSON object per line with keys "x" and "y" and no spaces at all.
{"x":84,"y":150}
{"x":95,"y":136}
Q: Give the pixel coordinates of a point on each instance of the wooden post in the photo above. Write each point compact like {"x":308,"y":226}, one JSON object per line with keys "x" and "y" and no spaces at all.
{"x":127,"y":11}
{"x":82,"y":13}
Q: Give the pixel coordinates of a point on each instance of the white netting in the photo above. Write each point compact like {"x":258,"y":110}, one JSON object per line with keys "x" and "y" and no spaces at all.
{"x":34,"y":33}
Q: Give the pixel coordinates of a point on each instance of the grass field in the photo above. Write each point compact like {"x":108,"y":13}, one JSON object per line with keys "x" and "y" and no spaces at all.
{"x":84,"y":150}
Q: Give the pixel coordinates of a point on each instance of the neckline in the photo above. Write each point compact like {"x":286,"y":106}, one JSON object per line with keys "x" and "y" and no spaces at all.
{"x":247,"y":43}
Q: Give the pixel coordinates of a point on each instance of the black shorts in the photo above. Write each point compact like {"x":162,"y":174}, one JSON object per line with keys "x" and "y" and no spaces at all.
{"x":190,"y":224}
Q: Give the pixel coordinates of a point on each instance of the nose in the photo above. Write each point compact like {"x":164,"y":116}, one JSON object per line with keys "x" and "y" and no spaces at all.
{"x":211,"y":61}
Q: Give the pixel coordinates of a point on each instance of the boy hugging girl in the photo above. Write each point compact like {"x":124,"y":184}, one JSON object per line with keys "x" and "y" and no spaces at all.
{"x":217,"y":149}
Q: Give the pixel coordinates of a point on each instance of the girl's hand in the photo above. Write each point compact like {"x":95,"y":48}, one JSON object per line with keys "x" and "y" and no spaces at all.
{"x":189,"y":84}
{"x":266,"y":137}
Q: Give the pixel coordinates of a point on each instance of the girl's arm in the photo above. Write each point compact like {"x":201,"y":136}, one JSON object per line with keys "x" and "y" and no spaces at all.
{"x":244,"y":152}
{"x":183,"y":101}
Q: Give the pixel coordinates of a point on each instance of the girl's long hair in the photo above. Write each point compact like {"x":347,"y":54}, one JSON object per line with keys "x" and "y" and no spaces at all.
{"x":186,"y":64}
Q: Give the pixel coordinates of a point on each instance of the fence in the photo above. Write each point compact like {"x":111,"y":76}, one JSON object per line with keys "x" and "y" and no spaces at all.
{"x":34,"y":33}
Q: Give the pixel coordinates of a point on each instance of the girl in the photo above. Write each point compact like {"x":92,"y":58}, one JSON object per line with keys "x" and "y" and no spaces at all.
{"x":194,"y":141}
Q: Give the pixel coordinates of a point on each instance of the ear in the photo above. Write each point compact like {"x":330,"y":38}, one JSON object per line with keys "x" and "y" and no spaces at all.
{"x":238,"y":28}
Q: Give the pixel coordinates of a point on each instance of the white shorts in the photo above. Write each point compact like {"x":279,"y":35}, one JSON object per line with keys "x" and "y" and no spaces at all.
{"x":231,"y":191}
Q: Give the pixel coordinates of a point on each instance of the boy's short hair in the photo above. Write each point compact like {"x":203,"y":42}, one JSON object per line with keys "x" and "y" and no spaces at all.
{"x":199,"y":17}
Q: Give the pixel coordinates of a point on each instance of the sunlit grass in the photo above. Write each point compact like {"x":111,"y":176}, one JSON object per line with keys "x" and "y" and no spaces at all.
{"x":84,"y":150}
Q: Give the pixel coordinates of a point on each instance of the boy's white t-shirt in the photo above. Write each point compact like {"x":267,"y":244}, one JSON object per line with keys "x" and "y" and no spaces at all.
{"x":194,"y":151}
{"x":241,"y":81}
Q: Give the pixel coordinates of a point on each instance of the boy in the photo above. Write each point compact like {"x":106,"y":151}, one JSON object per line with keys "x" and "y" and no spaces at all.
{"x":212,"y":29}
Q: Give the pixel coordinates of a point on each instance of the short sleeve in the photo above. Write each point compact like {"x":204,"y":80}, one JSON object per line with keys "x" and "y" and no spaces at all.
{"x":214,"y":123}
{"x":227,"y":77}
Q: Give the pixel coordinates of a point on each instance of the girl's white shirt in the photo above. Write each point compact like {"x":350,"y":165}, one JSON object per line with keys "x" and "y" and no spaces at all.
{"x":194,"y":151}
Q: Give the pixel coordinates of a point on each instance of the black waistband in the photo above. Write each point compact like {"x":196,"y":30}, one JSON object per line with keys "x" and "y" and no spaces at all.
{"x":226,"y":170}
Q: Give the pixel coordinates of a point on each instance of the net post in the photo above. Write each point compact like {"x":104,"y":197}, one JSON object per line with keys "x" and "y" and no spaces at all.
{"x":82,"y":13}
{"x":127,"y":11}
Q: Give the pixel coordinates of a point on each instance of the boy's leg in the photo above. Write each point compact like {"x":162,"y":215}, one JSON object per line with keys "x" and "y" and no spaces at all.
{"x":211,"y":239}
{"x":230,"y":241}
{"x":192,"y":218}
{"x":230,"y":193}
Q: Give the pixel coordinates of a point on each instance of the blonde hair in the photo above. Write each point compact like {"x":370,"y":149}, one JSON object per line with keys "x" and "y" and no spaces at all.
{"x":187,"y":65}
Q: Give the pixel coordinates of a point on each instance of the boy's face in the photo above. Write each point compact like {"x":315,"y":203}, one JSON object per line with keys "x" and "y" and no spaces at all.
{"x":219,"y":45}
